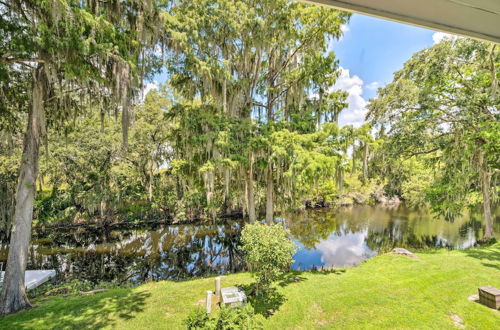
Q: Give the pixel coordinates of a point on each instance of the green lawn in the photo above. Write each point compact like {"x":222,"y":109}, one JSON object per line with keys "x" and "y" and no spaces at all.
{"x":388,"y":291}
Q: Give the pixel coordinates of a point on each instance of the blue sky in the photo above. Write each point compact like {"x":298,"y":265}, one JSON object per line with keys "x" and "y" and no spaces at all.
{"x":374,"y":48}
{"x":370,"y":51}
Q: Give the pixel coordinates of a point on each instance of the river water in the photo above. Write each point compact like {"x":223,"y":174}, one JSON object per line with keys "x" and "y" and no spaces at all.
{"x":325,"y":238}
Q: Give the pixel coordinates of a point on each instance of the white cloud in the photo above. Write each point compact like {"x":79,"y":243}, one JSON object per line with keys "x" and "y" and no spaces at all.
{"x":373,"y":85}
{"x":344,"y":28}
{"x":437,"y":37}
{"x":345,"y":249}
{"x":356,"y":111}
{"x":149,"y":86}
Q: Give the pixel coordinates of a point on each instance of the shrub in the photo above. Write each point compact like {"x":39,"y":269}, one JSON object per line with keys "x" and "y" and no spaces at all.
{"x":227,"y":318}
{"x":237,"y":318}
{"x":72,"y":287}
{"x":268,"y":252}
{"x":197,"y":319}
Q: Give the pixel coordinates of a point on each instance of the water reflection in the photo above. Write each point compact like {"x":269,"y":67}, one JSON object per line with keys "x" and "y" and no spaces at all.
{"x":349,"y":236}
{"x":324,"y":237}
{"x":171,"y":252}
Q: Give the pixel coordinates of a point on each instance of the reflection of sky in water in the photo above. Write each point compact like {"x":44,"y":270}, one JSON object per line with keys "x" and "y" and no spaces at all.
{"x":331,"y":238}
{"x":347,"y":237}
{"x":341,"y":249}
{"x":467,"y":240}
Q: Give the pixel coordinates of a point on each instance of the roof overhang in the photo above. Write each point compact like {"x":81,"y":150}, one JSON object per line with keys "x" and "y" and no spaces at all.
{"x":479,"y":19}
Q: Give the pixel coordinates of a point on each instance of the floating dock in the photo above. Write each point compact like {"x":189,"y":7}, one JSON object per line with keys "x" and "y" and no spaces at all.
{"x":34,"y":278}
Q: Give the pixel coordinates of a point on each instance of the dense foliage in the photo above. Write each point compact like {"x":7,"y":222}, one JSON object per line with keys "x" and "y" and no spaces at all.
{"x":268,"y":252}
{"x":58,"y":59}
{"x":227,"y":318}
{"x":443,"y":138}
{"x":247,"y":124}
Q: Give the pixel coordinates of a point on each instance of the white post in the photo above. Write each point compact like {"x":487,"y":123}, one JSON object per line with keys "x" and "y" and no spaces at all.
{"x":209,"y":302}
{"x":217,"y":286}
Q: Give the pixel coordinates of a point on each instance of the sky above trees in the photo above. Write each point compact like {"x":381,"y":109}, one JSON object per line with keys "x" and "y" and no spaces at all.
{"x":370,"y":51}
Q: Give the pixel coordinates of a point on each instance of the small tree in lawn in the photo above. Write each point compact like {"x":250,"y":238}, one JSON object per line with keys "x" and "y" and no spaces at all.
{"x":268,"y":252}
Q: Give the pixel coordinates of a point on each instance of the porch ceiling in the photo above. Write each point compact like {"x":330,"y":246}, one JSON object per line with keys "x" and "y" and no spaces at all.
{"x":478,"y":19}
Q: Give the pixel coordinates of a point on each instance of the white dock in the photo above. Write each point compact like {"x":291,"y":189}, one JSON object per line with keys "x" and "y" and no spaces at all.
{"x":34,"y":278}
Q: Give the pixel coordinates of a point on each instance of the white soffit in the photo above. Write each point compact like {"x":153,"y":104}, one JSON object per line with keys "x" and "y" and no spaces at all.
{"x":478,"y":19}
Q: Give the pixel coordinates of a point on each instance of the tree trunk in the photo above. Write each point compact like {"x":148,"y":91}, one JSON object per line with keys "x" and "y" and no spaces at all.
{"x":270,"y":119}
{"x":227,"y":181}
{"x":365,"y":163}
{"x":7,"y":196}
{"x":353,"y":168}
{"x":250,"y":194}
{"x":210,"y":193}
{"x":226,"y":170}
{"x":320,"y":108}
{"x":485,"y":185}
{"x":335,"y":117}
{"x":151,"y":178}
{"x":269,"y":194}
{"x":339,"y":178}
{"x":244,"y":207}
{"x":101,"y":115}
{"x":102,"y":209}
{"x":270,"y":91}
{"x":150,"y":188}
{"x":13,"y":297}
{"x":224,"y":86}
{"x":224,"y":96}
{"x":125,"y":123}
{"x":124,"y":74}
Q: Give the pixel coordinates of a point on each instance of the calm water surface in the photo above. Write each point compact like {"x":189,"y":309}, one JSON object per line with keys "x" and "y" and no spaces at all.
{"x":327,"y":238}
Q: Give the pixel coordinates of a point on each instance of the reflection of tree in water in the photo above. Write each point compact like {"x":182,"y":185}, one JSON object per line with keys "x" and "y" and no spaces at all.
{"x":385,"y":229}
{"x":473,"y":225}
{"x":184,"y":251}
{"x":400,"y":234}
{"x":173,"y":252}
{"x":310,"y":228}
{"x":204,"y":251}
{"x":444,"y":234}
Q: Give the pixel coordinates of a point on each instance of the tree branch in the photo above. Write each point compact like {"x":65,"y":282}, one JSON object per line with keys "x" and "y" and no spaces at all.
{"x":20,"y":60}
{"x":65,"y":92}
{"x":287,"y":61}
{"x":423,"y":152}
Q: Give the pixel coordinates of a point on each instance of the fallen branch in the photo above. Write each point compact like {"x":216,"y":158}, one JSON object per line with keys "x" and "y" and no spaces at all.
{"x":89,"y":293}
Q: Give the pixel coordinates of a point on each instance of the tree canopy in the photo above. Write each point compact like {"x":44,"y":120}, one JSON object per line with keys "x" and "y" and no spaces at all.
{"x":442,"y":110}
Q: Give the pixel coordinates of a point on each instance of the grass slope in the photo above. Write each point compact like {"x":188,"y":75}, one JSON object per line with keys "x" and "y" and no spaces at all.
{"x":388,"y":291}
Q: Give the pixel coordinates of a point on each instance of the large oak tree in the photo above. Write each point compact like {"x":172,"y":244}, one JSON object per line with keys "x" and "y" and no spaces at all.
{"x":444,"y":104}
{"x":76,"y":54}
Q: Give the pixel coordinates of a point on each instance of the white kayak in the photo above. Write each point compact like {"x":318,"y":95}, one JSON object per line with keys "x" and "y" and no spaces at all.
{"x":34,"y":278}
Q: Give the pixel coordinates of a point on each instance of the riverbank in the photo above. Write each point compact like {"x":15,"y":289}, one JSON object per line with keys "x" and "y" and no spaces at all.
{"x":53,"y":212}
{"x":388,"y":291}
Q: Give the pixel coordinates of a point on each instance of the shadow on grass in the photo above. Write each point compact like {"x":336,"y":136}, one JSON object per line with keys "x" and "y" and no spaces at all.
{"x":336,"y":271}
{"x":266,"y":303}
{"x":92,"y":312}
{"x":290,"y":278}
{"x":489,"y":255}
